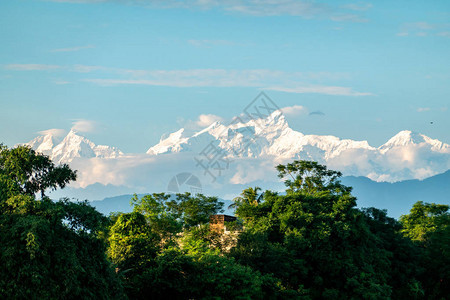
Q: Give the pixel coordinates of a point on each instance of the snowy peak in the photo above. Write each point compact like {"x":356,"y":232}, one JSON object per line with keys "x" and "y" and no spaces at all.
{"x":404,"y":138}
{"x":170,"y":144}
{"x":406,"y":155}
{"x":43,"y":144}
{"x":72,"y":146}
{"x":409,"y":138}
{"x":259,"y":137}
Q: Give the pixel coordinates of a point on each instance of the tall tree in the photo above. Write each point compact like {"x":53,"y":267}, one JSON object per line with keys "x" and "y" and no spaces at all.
{"x":313,"y":238}
{"x":23,"y":171}
{"x":311,"y":177}
{"x":428,"y":225}
{"x":138,"y":239}
{"x":249,"y":195}
{"x":48,"y":249}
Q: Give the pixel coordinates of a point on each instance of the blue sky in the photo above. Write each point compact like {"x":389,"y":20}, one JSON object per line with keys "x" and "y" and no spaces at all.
{"x":126,"y":72}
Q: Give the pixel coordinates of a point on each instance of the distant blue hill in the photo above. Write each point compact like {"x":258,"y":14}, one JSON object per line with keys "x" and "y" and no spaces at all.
{"x":122,"y":204}
{"x":399,"y":197}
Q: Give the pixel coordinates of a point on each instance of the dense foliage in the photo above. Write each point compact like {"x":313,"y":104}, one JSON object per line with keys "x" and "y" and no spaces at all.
{"x":49,"y":250}
{"x":310,"y":242}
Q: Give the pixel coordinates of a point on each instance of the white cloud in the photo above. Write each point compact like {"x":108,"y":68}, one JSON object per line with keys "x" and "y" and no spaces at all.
{"x":444,"y":33}
{"x":275,"y":8}
{"x":398,"y":163}
{"x":210,"y":43}
{"x":327,"y":90}
{"x":300,"y":8}
{"x":82,"y":125}
{"x":247,"y":170}
{"x":74,"y":68}
{"x":292,"y":82}
{"x":153,"y":172}
{"x":424,"y":29}
{"x":31,"y":67}
{"x":146,"y":173}
{"x":359,"y":6}
{"x":294,"y":110}
{"x":261,"y":78}
{"x":54,"y":132}
{"x":72,"y":49}
{"x":206,"y":120}
{"x":203,"y":121}
{"x":139,"y":171}
{"x":422,"y":109}
{"x":87,"y":69}
{"x":349,"y":18}
{"x":79,"y":1}
{"x":422,"y":25}
{"x":61,"y":82}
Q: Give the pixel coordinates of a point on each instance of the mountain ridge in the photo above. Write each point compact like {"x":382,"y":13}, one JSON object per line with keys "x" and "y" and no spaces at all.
{"x":71,"y":147}
{"x":397,"y":198}
{"x":406,"y":155}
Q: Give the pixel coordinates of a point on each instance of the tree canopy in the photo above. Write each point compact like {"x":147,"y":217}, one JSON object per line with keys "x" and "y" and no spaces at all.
{"x":23,"y":171}
{"x":49,"y":249}
{"x":309,"y":242}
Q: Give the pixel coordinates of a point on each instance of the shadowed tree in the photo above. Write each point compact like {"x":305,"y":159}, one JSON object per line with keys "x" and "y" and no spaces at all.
{"x":311,"y":177}
{"x":249,"y":196}
{"x":49,"y":250}
{"x":428,"y":225}
{"x":23,"y":171}
{"x":313,"y":239}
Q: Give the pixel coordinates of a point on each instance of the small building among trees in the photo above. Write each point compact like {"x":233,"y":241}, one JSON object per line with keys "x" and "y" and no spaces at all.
{"x":217,"y":223}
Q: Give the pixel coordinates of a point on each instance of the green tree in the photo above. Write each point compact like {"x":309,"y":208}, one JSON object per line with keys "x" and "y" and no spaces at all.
{"x":404,"y":256}
{"x":48,"y":249}
{"x":311,"y":177}
{"x":249,"y":196}
{"x":139,"y":242}
{"x":424,"y":219}
{"x":428,"y":225}
{"x":168,"y":215}
{"x":133,"y":248}
{"x":161,"y":214}
{"x":23,"y":171}
{"x":319,"y":242}
{"x":206,"y":275}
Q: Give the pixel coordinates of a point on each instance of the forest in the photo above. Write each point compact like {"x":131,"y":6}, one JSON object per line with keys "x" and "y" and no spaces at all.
{"x":309,"y":242}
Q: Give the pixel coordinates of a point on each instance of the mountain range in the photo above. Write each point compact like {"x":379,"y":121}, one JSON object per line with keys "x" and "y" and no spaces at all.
{"x":397,"y":198}
{"x":72,"y":146}
{"x":393,"y":176}
{"x":407,"y":155}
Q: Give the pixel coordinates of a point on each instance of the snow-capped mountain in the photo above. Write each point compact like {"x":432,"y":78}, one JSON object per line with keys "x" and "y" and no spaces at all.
{"x":271,"y":136}
{"x":71,"y":147}
{"x":253,"y":147}
{"x":407,"y":138}
{"x":407,"y":155}
{"x":44,"y":143}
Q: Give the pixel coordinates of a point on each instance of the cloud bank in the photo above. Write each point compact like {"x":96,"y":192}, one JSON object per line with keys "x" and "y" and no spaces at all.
{"x":261,"y":8}
{"x":264,"y":79}
{"x":294,"y":110}
{"x":54,"y":132}
{"x":81,"y":125}
{"x":73,"y":49}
